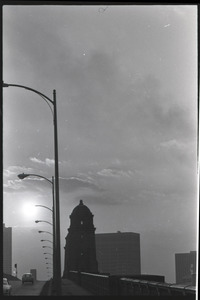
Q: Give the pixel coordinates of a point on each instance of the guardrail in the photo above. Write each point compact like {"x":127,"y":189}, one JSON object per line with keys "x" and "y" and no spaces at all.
{"x":143,"y":287}
{"x":99,"y":284}
{"x":95,"y":283}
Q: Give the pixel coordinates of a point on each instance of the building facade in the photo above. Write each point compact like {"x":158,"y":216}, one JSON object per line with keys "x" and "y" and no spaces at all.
{"x":7,"y":250}
{"x":118,"y":253}
{"x":80,"y":250}
{"x":185,"y":267}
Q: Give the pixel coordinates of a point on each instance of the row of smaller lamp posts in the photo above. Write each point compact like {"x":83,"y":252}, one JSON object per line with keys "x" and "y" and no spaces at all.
{"x":49,"y":269}
{"x":47,"y":253}
{"x":22,"y":176}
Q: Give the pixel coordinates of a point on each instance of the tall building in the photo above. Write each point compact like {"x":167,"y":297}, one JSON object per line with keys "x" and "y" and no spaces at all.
{"x":185,"y":267}
{"x":7,"y":250}
{"x":34,"y":273}
{"x":118,"y":253}
{"x":80,"y":250}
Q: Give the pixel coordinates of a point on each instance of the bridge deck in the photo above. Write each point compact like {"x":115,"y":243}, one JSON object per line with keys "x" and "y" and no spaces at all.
{"x":71,"y":288}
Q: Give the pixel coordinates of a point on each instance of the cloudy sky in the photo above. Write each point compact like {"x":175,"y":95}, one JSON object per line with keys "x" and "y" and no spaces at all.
{"x":126,"y":86}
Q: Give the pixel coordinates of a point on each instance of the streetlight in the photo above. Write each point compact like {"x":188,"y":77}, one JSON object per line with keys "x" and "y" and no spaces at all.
{"x":53,"y":218}
{"x":38,"y":205}
{"x":38,"y":221}
{"x":44,"y":231}
{"x":47,"y":253}
{"x":49,"y":269}
{"x":47,"y":247}
{"x":46,"y":241}
{"x":57,"y":205}
{"x":22,"y":176}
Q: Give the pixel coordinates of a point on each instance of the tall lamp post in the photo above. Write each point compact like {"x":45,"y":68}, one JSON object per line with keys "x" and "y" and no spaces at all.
{"x":57,"y":205}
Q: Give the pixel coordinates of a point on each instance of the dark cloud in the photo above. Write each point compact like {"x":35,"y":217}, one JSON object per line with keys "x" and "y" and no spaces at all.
{"x":89,"y":199}
{"x":68,"y":185}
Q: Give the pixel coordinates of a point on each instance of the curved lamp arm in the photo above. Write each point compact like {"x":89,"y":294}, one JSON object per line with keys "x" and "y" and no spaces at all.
{"x":43,"y":231}
{"x":38,"y":205}
{"x":29,"y":89}
{"x":23,"y":175}
{"x":38,"y":221}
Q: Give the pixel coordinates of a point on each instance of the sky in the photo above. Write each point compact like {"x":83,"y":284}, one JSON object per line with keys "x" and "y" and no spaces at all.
{"x":126,"y":87}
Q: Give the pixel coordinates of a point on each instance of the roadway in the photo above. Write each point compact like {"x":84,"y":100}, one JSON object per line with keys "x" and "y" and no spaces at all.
{"x":26,"y":289}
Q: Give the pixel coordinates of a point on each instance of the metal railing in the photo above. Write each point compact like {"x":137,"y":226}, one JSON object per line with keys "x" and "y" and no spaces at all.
{"x":99,"y":284}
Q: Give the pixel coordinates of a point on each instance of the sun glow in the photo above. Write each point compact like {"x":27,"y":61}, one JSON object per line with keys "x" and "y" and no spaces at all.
{"x":29,"y":210}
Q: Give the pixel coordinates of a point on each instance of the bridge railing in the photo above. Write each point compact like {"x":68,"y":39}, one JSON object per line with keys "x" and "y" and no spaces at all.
{"x":99,"y":284}
{"x":95,"y":283}
{"x":143,"y":287}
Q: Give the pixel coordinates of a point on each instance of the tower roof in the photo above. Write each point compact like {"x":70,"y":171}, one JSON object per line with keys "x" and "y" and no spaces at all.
{"x":81,"y":210}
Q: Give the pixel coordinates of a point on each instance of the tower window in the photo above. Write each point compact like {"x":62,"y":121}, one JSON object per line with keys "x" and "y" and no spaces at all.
{"x":81,"y":222}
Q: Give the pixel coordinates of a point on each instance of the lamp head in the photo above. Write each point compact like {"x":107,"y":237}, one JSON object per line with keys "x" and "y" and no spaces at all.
{"x":5,"y":84}
{"x":22,"y":176}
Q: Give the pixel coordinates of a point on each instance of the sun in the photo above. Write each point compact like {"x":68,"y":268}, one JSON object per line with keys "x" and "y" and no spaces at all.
{"x":29,"y":210}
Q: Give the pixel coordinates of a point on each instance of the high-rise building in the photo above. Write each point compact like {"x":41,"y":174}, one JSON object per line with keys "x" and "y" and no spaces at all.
{"x":7,"y":250}
{"x":185,"y":267}
{"x":34,"y":273}
{"x":118,"y":253}
{"x":80,"y":251}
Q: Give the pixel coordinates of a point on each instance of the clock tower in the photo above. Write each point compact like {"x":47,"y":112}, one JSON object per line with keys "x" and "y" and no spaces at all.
{"x":80,"y":248}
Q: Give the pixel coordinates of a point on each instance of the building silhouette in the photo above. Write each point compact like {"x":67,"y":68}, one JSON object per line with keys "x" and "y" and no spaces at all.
{"x":7,"y":250}
{"x":80,"y":250}
{"x":118,"y":253}
{"x":185,"y":267}
{"x":34,"y":273}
